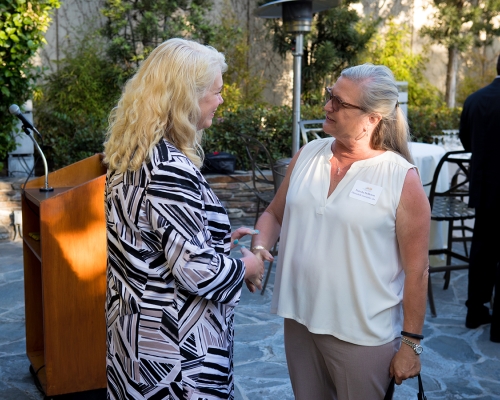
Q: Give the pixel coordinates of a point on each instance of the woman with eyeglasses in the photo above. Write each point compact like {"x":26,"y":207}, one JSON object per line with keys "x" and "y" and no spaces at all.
{"x":353,"y":221}
{"x":171,"y":285}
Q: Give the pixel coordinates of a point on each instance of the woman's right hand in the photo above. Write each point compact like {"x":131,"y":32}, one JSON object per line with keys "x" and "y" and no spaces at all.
{"x":254,"y":269}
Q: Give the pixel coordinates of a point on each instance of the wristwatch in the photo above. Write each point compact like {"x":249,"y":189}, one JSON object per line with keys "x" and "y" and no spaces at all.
{"x":416,"y":347}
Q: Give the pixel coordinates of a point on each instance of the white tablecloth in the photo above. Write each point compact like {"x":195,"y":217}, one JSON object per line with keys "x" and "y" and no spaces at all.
{"x":426,"y":158}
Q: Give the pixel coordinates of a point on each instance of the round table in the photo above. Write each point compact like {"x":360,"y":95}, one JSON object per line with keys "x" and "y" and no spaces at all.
{"x":426,"y":158}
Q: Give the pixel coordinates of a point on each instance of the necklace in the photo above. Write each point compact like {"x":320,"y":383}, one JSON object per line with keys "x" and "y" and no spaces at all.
{"x":339,"y":170}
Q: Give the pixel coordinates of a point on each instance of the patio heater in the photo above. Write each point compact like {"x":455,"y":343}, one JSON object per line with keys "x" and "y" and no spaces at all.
{"x":297,"y":19}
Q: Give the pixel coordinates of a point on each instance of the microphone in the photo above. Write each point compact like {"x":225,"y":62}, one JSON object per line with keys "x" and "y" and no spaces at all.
{"x":15,"y":110}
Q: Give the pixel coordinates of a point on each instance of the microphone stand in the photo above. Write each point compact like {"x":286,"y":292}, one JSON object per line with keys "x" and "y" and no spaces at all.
{"x":46,"y":187}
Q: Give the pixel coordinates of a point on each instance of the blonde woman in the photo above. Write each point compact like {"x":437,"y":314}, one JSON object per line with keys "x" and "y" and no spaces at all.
{"x":354,"y":220}
{"x":171,"y":287}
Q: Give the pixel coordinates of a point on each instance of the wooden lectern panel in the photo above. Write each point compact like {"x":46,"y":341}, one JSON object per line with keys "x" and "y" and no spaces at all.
{"x":65,"y":278}
{"x":73,"y":175}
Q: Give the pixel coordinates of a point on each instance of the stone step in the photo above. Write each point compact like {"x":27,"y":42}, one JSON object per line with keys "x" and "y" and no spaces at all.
{"x":5,"y":234}
{"x":10,"y":205}
{"x":10,"y":200}
{"x":10,"y":195}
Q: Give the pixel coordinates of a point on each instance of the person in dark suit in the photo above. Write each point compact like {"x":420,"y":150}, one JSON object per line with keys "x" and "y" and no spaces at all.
{"x":480,"y":134}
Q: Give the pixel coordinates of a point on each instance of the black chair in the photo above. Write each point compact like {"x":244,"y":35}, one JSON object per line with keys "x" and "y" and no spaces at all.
{"x":262,"y":167}
{"x":265,"y":178}
{"x":451,"y":206}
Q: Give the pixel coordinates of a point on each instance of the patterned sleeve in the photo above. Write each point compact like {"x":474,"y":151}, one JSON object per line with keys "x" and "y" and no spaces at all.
{"x":175,"y":209}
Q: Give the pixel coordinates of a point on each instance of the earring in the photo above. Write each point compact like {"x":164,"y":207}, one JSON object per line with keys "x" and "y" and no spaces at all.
{"x":363,"y":134}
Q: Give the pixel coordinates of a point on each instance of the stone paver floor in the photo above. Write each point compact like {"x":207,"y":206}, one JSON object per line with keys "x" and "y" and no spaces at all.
{"x":458,"y":363}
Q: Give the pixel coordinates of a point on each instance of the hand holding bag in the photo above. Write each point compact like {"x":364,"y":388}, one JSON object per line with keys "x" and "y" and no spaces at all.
{"x":390,"y":390}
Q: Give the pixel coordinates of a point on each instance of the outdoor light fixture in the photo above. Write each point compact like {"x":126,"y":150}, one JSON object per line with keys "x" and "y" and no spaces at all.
{"x":297,"y":19}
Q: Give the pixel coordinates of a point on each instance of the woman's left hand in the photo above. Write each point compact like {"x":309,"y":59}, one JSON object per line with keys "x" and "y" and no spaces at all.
{"x":405,"y":364}
{"x":239,"y":233}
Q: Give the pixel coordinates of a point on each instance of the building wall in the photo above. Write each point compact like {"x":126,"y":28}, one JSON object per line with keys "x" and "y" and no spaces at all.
{"x":69,"y":22}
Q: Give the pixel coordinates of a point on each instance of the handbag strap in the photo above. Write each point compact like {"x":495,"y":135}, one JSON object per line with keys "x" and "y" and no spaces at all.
{"x":421,"y":394}
{"x":390,"y":389}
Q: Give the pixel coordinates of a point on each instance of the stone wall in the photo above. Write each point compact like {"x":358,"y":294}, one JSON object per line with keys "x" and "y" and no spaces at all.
{"x":234,"y":191}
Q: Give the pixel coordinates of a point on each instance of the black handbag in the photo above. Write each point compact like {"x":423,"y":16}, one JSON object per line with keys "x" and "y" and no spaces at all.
{"x":390,"y":390}
{"x":219,"y":163}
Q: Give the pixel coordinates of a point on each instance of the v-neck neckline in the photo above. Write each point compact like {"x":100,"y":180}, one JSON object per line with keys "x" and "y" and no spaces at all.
{"x":343,"y":182}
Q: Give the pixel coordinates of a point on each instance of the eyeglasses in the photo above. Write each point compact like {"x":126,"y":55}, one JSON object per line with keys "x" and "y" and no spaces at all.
{"x":336,"y":102}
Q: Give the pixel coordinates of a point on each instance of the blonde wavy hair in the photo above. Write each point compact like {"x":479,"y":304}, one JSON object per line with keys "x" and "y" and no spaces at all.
{"x":379,"y":94}
{"x":162,"y":101}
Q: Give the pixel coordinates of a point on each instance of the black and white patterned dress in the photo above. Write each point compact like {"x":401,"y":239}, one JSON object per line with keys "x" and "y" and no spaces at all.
{"x":171,"y":287}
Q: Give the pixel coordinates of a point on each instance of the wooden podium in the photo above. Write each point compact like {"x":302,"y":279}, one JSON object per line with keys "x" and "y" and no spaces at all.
{"x":64,"y":248}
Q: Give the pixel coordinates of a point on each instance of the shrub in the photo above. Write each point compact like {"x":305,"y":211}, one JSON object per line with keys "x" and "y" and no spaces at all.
{"x":272,"y":125}
{"x":392,"y":48}
{"x":72,"y":111}
{"x":427,"y":121}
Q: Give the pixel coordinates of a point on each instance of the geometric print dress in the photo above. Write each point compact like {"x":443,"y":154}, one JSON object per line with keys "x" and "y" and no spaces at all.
{"x":171,"y":287}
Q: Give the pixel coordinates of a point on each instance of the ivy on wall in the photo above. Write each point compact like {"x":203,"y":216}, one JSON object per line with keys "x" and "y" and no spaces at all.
{"x":22,"y":26}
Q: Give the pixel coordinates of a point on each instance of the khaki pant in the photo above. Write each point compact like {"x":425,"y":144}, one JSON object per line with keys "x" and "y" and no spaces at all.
{"x":323,"y":367}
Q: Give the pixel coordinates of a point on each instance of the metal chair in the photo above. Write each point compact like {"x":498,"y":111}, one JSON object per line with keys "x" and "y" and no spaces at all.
{"x":262,"y":167}
{"x":264,"y":183}
{"x":311,"y":128}
{"x":451,"y":206}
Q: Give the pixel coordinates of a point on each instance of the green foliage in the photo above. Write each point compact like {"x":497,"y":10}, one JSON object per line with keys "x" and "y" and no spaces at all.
{"x":458,"y":24}
{"x":426,"y":121}
{"x":136,"y":27}
{"x":478,"y":71}
{"x":243,"y":84}
{"x":22,"y":25}
{"x":75,"y":102}
{"x":455,"y":24}
{"x":73,"y":108}
{"x":450,"y":23}
{"x":337,"y":37}
{"x":392,"y":48}
{"x":485,"y":28}
{"x":272,"y":125}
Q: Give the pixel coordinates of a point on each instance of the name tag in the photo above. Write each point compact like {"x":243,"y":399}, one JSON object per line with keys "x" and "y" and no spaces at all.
{"x":366,"y":192}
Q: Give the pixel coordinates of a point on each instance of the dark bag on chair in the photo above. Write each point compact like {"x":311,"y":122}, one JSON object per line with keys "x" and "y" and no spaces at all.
{"x":219,"y":163}
{"x":390,"y":390}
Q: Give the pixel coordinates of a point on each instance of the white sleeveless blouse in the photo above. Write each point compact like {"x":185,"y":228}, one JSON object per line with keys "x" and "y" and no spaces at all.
{"x":339,"y":270}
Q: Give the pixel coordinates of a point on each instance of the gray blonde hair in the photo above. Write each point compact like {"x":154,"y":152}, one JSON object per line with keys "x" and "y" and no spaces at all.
{"x":379,"y":95}
{"x":162,"y":101}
